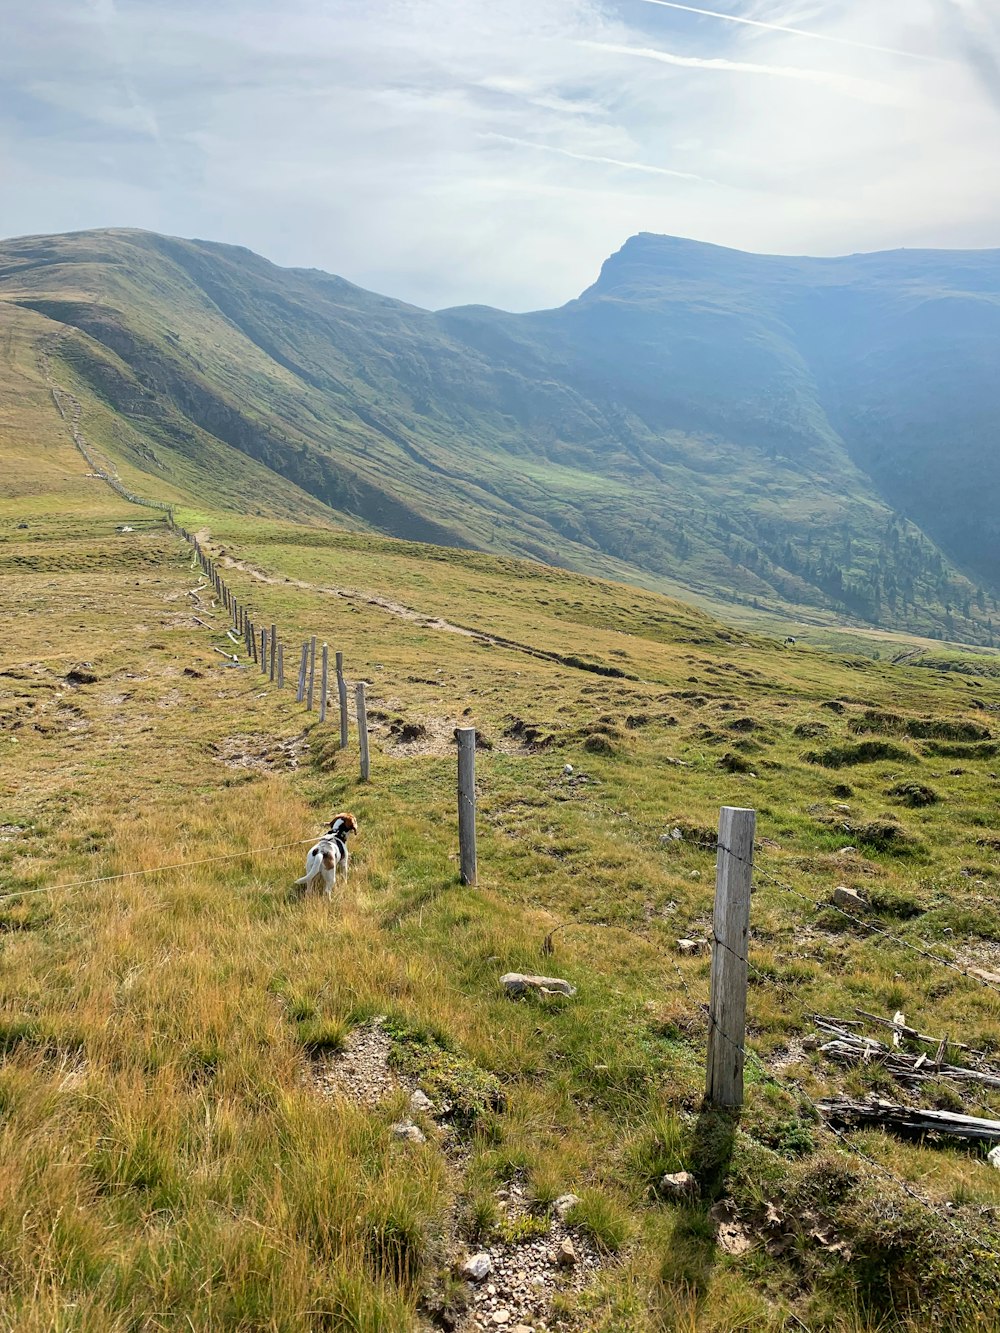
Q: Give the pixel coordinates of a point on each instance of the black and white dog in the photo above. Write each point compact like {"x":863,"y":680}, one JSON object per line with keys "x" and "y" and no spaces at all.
{"x":327,"y":853}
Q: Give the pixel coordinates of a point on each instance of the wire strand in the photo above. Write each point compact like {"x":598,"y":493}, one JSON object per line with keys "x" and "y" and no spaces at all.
{"x":155,"y":870}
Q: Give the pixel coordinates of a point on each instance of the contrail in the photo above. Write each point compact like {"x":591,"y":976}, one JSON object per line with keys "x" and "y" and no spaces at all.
{"x":796,"y":32}
{"x":604,"y":161}
{"x":845,"y":83}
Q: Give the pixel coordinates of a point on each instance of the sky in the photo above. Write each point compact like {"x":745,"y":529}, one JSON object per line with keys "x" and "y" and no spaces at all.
{"x":496,"y":151}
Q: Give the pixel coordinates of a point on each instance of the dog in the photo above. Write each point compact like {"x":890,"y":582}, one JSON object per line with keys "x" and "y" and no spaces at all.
{"x":327,"y":853}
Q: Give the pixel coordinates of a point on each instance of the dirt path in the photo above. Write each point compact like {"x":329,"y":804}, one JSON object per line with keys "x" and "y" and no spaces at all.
{"x":415,"y":617}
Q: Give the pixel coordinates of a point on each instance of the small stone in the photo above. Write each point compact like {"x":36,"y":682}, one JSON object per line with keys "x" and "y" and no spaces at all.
{"x":568,"y":769}
{"x":993,"y":1157}
{"x":688,"y":947}
{"x":477,"y":1267}
{"x":522,"y":1328}
{"x":565,"y":1254}
{"x":848,"y":898}
{"x":406,"y":1129}
{"x":538,"y":1280}
{"x":563,"y":1205}
{"x":491,"y":1289}
{"x":679,"y":1185}
{"x":420,"y":1102}
{"x":501,"y":1316}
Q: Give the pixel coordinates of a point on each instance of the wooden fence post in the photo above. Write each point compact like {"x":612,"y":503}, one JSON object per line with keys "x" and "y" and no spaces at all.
{"x":467,"y":803}
{"x":274,"y":650}
{"x":302,"y":674}
{"x":323,"y":684}
{"x":363,"y":729}
{"x":312,"y":673}
{"x":727,"y":1006}
{"x":281,"y":666}
{"x":263,"y":652}
{"x":342,"y":694}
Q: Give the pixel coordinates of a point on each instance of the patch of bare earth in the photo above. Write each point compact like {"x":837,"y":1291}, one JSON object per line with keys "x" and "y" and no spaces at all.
{"x":360,"y":1072}
{"x":525,"y":1275}
{"x":262,"y":752}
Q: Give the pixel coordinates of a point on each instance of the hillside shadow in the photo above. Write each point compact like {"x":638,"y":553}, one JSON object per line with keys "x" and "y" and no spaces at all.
{"x":693,"y":1250}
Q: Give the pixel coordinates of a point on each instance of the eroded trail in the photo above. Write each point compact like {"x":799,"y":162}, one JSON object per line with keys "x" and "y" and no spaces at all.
{"x":420,"y":618}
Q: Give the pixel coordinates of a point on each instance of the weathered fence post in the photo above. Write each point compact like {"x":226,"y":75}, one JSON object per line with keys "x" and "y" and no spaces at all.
{"x":342,"y":694}
{"x":312,"y":672}
{"x":467,"y":803}
{"x":323,"y":684}
{"x":281,"y":666}
{"x":274,"y":650}
{"x":302,"y":674}
{"x":363,"y":729}
{"x":263,"y":652}
{"x":727,"y":1006}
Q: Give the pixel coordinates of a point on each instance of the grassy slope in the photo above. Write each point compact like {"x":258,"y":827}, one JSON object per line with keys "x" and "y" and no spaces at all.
{"x":158,"y":1113}
{"x":531,"y":435}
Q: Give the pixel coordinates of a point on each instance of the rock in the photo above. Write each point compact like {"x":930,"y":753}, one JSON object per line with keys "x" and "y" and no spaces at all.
{"x":992,"y":977}
{"x":406,"y":1129}
{"x":679,"y":1185}
{"x":689,"y":946}
{"x":477,"y":1267}
{"x":568,"y":769}
{"x":522,"y":1328}
{"x":847,"y":898}
{"x":501,"y":1316}
{"x":563,"y":1205}
{"x":420,"y":1102}
{"x":993,"y":1157}
{"x":565,"y":1254}
{"x":517,"y":983}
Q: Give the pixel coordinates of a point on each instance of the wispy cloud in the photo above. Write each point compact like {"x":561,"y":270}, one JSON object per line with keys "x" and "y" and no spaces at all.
{"x":847,"y":84}
{"x":474,"y":151}
{"x":794,"y":32}
{"x":598,"y":158}
{"x":976,"y":33}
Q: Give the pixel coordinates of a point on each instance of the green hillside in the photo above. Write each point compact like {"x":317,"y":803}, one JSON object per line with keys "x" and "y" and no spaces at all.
{"x":802,"y":436}
{"x":201,"y":1071}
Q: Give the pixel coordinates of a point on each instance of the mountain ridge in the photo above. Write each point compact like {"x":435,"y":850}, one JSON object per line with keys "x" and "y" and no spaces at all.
{"x":745,"y":435}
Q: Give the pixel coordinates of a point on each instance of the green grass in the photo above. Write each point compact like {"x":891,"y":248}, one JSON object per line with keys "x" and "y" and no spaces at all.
{"x":167,"y":1159}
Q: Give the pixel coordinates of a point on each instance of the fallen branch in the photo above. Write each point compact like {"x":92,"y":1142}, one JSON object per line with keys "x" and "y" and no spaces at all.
{"x":907,"y":1119}
{"x":913,"y":1035}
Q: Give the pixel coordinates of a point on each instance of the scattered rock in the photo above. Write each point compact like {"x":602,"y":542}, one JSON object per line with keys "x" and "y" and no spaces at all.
{"x":992,"y":977}
{"x":406,"y":1129}
{"x":565,"y":1254}
{"x":847,"y":898}
{"x":993,"y":1157}
{"x":420,"y":1103}
{"x":195,"y":675}
{"x":679,"y":1185}
{"x":568,"y":770}
{"x":689,"y":947}
{"x":563,"y":1205}
{"x":477,"y":1267}
{"x":501,"y":1317}
{"x":517,"y":983}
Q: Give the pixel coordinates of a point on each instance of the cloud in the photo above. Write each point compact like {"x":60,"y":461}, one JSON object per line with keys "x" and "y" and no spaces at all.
{"x":459,"y":150}
{"x":843,"y":83}
{"x":795,"y":32}
{"x":594,"y":157}
{"x":975,"y":32}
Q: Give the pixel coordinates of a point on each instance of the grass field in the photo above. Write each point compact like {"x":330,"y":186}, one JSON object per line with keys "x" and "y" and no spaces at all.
{"x":173,"y":1156}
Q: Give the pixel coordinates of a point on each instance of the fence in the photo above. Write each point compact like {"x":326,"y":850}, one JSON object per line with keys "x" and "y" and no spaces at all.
{"x":265,"y":646}
{"x":728,"y":1050}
